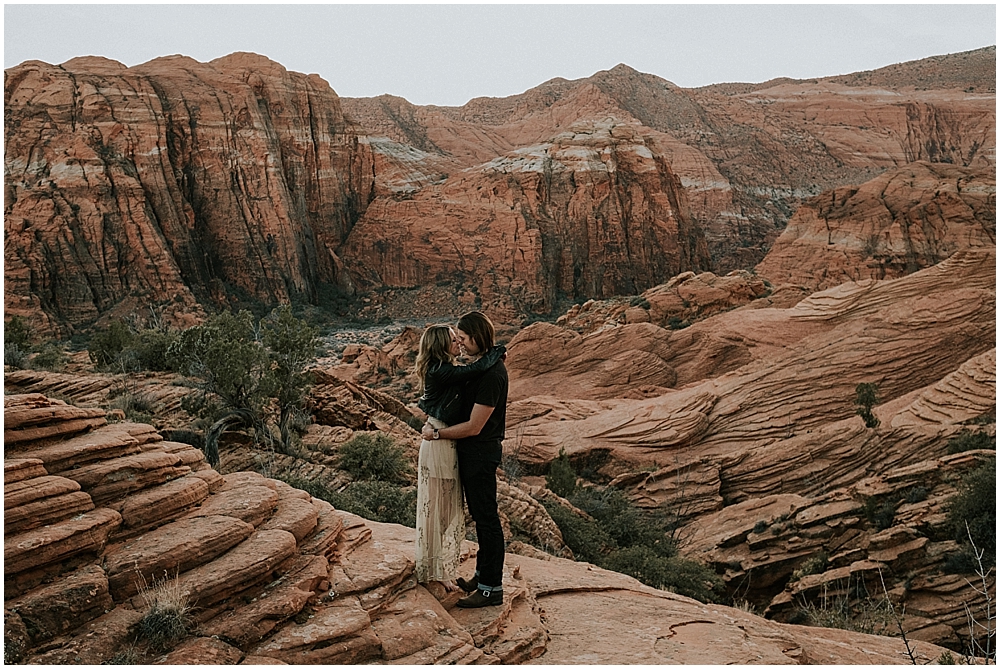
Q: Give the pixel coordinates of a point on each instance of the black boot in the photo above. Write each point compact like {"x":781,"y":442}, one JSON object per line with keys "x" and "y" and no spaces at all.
{"x":482,"y":598}
{"x":469,"y":585}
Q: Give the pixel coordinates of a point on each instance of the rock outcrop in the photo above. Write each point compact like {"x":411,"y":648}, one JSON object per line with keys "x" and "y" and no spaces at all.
{"x":274,"y":576}
{"x":174,"y":182}
{"x":904,"y":220}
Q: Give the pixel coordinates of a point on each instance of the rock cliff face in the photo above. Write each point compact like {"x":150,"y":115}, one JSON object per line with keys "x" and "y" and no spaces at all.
{"x":98,"y":517}
{"x":191,"y":184}
{"x":745,"y":155}
{"x":173,"y":182}
{"x":906,"y":219}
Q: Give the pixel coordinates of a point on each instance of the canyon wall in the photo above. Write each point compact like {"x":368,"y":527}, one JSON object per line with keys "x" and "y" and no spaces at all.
{"x":197,"y":185}
{"x":173,"y":182}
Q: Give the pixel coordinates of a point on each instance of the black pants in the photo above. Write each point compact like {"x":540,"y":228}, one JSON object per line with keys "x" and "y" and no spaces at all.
{"x":479,"y":481}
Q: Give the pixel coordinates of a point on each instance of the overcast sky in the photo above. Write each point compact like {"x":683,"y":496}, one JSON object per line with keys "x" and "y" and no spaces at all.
{"x":448,"y":54}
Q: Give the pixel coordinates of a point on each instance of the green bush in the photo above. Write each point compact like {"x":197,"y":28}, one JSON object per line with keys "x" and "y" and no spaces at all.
{"x":17,"y":338}
{"x":815,"y":565}
{"x":623,"y":522}
{"x":380,"y":501}
{"x":880,"y":512}
{"x":676,"y":323}
{"x":865,"y":397}
{"x":639,"y":301}
{"x":561,"y":478}
{"x":151,"y":349}
{"x":167,"y":618}
{"x":51,"y":357}
{"x":969,"y":440}
{"x":374,"y":457}
{"x":588,"y":540}
{"x":685,"y":577}
{"x":113,"y":348}
{"x":256,"y":372}
{"x":975,"y":506}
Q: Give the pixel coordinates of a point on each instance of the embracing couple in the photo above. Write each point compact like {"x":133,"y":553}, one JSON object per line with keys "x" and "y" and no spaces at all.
{"x":466,"y":407}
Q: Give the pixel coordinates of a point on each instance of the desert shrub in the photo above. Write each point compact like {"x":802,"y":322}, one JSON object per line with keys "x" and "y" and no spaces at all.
{"x":759,"y":526}
{"x":380,"y":501}
{"x":917,"y":494}
{"x":814,"y":565}
{"x":865,"y":397}
{"x":588,"y":541}
{"x":969,"y":440}
{"x":256,"y":372}
{"x":138,"y":407}
{"x":51,"y":357}
{"x":151,"y":349}
{"x":880,"y":512}
{"x":868,"y":615}
{"x":561,"y":478}
{"x":127,"y":655}
{"x":676,"y":323}
{"x":167,"y":618}
{"x":639,"y":301}
{"x":975,"y":507}
{"x":623,"y":522}
{"x":962,"y":561}
{"x":17,"y":338}
{"x":368,"y":457}
{"x":113,"y":348}
{"x":676,"y":574}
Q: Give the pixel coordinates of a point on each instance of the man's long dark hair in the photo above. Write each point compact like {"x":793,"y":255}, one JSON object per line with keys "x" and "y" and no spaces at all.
{"x":479,"y":328}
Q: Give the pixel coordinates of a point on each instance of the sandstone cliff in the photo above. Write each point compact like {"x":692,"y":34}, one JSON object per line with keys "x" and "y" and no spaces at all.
{"x":173,"y":182}
{"x":274,"y":576}
{"x":906,"y":219}
{"x":192,"y":185}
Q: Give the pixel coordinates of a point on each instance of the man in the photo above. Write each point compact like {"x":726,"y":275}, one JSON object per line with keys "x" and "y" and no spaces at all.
{"x":479,"y":451}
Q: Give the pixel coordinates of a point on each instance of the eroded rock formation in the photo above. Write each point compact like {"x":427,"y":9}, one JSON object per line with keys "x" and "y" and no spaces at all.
{"x":173,"y":182}
{"x":277,"y":577}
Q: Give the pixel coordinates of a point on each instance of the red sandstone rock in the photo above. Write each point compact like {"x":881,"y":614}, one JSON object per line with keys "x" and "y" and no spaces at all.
{"x":283,"y":599}
{"x":163,"y":501}
{"x":253,"y":504}
{"x":170,"y":550}
{"x":35,"y":548}
{"x":15,"y":470}
{"x":246,"y":565}
{"x":298,"y":516}
{"x":301,"y":163}
{"x":108,"y":441}
{"x":64,"y":605}
{"x":202,"y":650}
{"x":904,"y":220}
{"x":340,"y":634}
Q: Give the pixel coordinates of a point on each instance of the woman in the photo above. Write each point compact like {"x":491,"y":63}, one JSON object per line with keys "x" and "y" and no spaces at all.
{"x":440,"y":516}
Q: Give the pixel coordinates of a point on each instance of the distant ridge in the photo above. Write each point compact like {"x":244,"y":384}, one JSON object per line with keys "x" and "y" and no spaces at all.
{"x":974,"y":71}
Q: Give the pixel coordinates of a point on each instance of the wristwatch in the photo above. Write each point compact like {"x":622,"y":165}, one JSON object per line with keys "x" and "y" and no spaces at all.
{"x":437,"y":434}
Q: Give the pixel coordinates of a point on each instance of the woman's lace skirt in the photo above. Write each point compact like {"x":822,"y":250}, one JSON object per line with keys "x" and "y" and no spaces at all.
{"x":440,"y":516}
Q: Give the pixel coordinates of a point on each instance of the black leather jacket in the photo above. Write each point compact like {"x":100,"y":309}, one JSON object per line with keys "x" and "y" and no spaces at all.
{"x":445,"y":382}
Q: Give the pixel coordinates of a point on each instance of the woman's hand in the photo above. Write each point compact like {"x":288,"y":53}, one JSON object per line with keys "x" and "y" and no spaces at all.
{"x":427,"y":432}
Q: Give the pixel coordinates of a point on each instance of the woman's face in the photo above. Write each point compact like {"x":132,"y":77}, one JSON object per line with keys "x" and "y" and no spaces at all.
{"x":456,"y":347}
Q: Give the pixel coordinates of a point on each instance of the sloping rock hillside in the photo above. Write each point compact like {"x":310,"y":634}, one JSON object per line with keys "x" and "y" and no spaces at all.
{"x":96,"y":514}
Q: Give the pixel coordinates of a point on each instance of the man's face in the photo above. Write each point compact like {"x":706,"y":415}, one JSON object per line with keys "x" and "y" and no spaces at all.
{"x":456,"y":346}
{"x":467,"y":343}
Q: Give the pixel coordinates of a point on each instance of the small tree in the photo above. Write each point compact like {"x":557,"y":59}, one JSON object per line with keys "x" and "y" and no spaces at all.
{"x":866,"y":396}
{"x":17,"y":338}
{"x":561,"y":478}
{"x":256,"y":370}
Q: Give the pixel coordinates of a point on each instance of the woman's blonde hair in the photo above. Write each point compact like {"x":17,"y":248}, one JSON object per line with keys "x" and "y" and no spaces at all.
{"x":434,"y":345}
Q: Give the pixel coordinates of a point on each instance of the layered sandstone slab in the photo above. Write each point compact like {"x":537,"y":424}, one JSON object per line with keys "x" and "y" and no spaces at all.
{"x":171,"y":550}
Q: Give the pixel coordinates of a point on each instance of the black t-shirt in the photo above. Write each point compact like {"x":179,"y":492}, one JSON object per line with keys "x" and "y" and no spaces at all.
{"x":489,"y":390}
